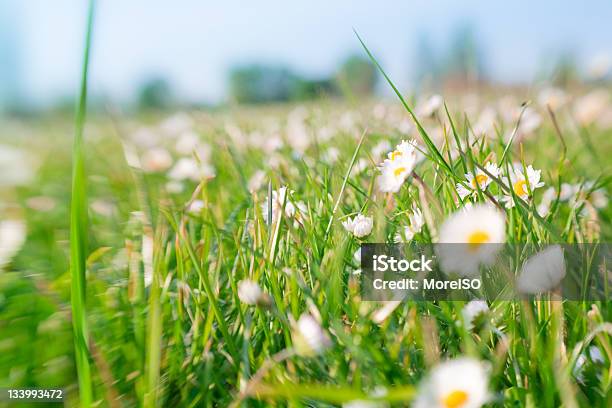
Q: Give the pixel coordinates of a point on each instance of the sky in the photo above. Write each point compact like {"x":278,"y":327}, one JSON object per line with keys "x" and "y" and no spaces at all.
{"x":193,"y":43}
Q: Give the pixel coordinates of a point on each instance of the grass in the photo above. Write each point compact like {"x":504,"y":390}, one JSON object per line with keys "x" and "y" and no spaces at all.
{"x":79,"y":229}
{"x":155,"y":309}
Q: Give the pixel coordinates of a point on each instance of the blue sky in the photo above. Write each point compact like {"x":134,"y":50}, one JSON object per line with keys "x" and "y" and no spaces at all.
{"x":193,"y":42}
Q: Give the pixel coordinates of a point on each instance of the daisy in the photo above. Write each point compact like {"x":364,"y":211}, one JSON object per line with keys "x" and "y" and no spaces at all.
{"x":279,"y":200}
{"x":543,"y":271}
{"x":458,"y":383}
{"x":309,"y":338}
{"x":472,"y":311}
{"x":250,"y":293}
{"x":398,"y":166}
{"x":360,"y":226}
{"x":468,"y":238}
{"x":481,"y":179}
{"x":415,"y":225}
{"x":521,"y":184}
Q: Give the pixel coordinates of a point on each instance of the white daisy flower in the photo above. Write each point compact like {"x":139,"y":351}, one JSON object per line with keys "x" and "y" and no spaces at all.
{"x":472,"y":310}
{"x":543,"y":271}
{"x":309,"y":338}
{"x":481,"y":179}
{"x":359,"y":226}
{"x":12,"y":237}
{"x":521,"y":184}
{"x":468,"y":238}
{"x":249,"y":292}
{"x":156,"y":160}
{"x":357,"y":256}
{"x":415,"y":225}
{"x":458,"y":383}
{"x":398,"y":166}
{"x":278,"y":201}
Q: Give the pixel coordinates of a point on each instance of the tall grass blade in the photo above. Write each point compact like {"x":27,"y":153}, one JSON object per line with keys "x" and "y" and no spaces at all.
{"x":78,"y":233}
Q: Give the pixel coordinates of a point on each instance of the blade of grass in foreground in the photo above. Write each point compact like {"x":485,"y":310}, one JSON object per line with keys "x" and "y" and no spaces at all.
{"x":78,"y":234}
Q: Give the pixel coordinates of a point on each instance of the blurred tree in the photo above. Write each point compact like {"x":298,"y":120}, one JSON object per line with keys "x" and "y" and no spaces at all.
{"x":427,"y":67}
{"x":357,"y":75}
{"x":155,"y":93}
{"x":465,"y":62}
{"x":311,"y":89}
{"x":259,"y":84}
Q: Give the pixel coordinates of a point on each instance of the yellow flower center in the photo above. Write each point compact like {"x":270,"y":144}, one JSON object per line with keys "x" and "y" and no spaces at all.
{"x":399,"y":171}
{"x":477,"y":238}
{"x":481,"y":179}
{"x":519,"y":187}
{"x":455,"y":399}
{"x":395,"y":154}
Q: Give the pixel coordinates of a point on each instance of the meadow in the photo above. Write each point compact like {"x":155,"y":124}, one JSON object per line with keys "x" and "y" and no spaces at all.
{"x":214,"y":252}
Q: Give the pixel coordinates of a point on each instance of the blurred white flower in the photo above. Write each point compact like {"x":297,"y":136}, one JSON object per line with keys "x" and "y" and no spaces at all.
{"x":598,"y":197}
{"x":176,"y":124}
{"x":472,"y":310}
{"x":398,"y":166}
{"x":589,"y":107}
{"x":147,"y":251}
{"x":359,"y":226}
{"x":485,"y":125}
{"x":357,"y":256}
{"x":16,"y":167}
{"x":155,"y":160}
{"x":481,"y":178}
{"x":430,"y":106}
{"x":521,"y":184}
{"x":416,"y":221}
{"x":468,"y":239}
{"x":553,"y":97}
{"x":249,"y":292}
{"x":187,"y":143}
{"x":380,"y":149}
{"x":459,"y":383}
{"x":12,"y":237}
{"x":175,"y":187}
{"x":309,"y":338}
{"x":257,"y":180}
{"x":278,"y":201}
{"x":196,"y":206}
{"x":41,"y":203}
{"x":543,"y":271}
{"x":331,"y":155}
{"x":599,"y":66}
{"x":144,"y":137}
{"x":530,"y":121}
{"x":103,"y":207}
{"x":189,"y":169}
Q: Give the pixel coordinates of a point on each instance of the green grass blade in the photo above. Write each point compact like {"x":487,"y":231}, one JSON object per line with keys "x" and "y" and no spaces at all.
{"x":78,"y":233}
